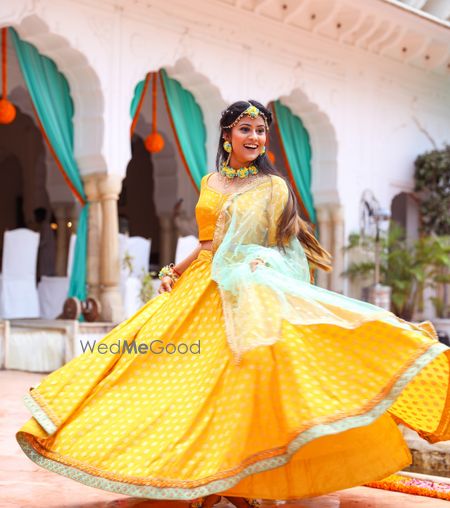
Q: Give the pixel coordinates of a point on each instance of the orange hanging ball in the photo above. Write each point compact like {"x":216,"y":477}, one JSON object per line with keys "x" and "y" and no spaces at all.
{"x":7,"y":111}
{"x":271,"y":156}
{"x":154,"y":142}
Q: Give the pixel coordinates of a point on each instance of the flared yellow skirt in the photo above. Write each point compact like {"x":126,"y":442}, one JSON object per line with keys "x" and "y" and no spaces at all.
{"x":159,"y":409}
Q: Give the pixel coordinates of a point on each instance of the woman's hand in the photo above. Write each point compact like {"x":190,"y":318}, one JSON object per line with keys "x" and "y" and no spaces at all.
{"x":255,"y":262}
{"x":166,"y":285}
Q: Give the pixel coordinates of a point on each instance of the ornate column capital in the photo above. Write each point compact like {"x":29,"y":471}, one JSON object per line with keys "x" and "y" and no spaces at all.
{"x":110,"y":186}
{"x":323,"y":213}
{"x":337,"y":214}
{"x":91,"y":186}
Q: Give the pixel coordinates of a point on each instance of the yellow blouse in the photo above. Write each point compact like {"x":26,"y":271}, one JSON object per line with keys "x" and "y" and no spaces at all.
{"x":207,"y":209}
{"x":211,"y":201}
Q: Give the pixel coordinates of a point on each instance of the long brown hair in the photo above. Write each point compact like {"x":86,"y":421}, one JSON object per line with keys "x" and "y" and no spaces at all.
{"x":290,"y":223}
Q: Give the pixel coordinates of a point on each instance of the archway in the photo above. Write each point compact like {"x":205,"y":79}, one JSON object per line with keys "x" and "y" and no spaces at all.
{"x":157,"y":181}
{"x":84,"y":83}
{"x":175,"y":189}
{"x":291,"y":143}
{"x":99,"y":147}
{"x":208,"y":97}
{"x":324,"y":185}
{"x":323,"y":145}
{"x":44,"y":90}
{"x":136,"y":206}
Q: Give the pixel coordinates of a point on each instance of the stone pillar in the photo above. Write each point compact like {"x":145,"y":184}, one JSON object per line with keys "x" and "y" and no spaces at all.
{"x":338,"y":242}
{"x":165,"y":239}
{"x":60,"y":211}
{"x":91,"y":188}
{"x":324,"y":223}
{"x":110,"y":298}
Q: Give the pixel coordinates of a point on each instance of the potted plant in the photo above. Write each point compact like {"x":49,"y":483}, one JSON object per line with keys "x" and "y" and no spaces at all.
{"x":407,"y":267}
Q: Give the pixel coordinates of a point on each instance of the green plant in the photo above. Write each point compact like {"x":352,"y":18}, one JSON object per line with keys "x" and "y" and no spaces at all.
{"x":147,"y":292}
{"x":432,"y":182}
{"x":407,"y":267}
{"x":127,"y":262}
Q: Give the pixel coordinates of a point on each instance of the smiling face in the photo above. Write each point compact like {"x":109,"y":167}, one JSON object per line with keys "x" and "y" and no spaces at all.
{"x":247,"y":138}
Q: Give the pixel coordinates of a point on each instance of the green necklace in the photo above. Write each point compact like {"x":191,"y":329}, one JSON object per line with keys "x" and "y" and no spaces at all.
{"x":229,"y":172}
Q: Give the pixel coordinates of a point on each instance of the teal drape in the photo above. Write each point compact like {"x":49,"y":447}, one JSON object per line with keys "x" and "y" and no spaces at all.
{"x":297,"y":149}
{"x":186,"y":118}
{"x":189,"y":128}
{"x":53,"y":104}
{"x":138,"y":90}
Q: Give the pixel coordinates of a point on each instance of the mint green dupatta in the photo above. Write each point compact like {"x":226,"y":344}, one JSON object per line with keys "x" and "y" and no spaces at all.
{"x":255,"y":302}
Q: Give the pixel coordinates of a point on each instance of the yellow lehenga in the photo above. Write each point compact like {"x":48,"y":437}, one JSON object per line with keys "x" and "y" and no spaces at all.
{"x":313,"y":412}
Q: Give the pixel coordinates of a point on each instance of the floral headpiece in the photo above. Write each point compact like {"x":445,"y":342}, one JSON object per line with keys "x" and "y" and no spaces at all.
{"x":252,"y":112}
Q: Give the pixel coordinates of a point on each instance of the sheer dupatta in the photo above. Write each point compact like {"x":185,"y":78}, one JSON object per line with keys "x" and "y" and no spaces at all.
{"x":255,"y":303}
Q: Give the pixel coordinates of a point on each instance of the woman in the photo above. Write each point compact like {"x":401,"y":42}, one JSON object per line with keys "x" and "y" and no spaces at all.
{"x":246,"y":380}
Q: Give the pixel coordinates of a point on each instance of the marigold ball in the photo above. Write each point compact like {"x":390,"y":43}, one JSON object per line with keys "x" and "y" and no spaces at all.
{"x":271,"y":156}
{"x":154,"y":142}
{"x":7,"y":112}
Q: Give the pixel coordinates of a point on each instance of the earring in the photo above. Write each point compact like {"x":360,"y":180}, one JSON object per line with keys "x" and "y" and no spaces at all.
{"x":263,"y":151}
{"x":227,"y":146}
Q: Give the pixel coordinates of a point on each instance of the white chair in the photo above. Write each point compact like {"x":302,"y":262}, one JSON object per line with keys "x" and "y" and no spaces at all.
{"x":52,"y":295}
{"x":185,"y":246}
{"x":138,"y":249}
{"x":53,"y":290}
{"x":19,"y":296}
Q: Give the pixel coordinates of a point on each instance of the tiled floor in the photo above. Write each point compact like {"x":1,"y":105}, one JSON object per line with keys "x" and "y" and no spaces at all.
{"x":24,"y":484}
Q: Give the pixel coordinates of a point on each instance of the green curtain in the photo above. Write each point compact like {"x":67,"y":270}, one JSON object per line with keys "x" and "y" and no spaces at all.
{"x":296,"y":146}
{"x":51,"y":99}
{"x":138,"y":90}
{"x":187,"y":119}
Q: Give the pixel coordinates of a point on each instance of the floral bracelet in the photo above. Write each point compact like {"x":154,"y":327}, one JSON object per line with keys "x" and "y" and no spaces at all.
{"x":169,"y":271}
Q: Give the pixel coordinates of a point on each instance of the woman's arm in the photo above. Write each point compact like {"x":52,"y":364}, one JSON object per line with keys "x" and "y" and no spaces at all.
{"x":166,"y":282}
{"x":183,"y":265}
